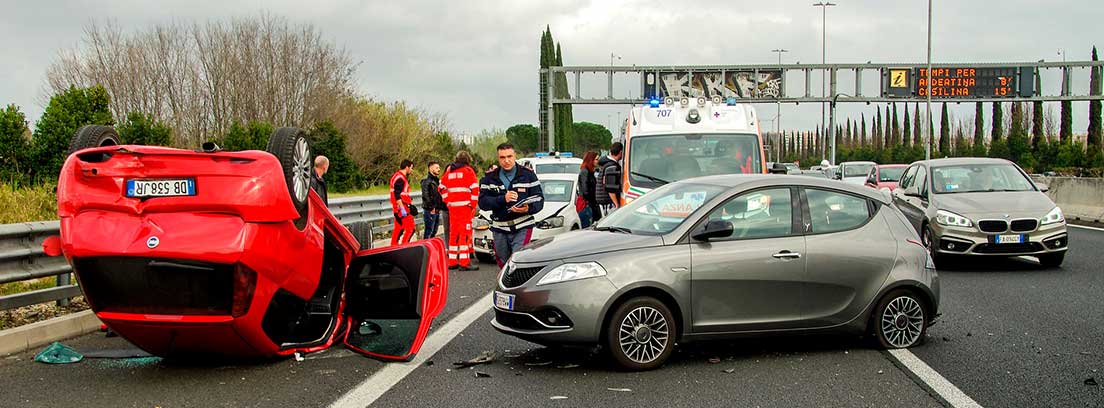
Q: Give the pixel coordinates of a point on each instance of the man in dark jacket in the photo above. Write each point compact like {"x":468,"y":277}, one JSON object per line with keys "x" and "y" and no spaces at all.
{"x":609,"y":178}
{"x":512,"y":194}
{"x":321,"y":166}
{"x":431,"y":200}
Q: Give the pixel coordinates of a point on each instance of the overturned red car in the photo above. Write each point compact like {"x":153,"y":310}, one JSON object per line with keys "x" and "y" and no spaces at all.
{"x":210,"y":252}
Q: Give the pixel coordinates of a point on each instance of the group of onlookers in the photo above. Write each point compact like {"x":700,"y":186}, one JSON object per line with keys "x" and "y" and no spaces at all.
{"x":599,"y":185}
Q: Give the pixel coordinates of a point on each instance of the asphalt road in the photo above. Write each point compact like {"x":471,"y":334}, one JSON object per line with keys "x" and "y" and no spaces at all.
{"x":1012,"y":334}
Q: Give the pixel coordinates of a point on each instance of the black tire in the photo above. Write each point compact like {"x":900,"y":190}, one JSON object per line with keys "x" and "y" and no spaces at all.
{"x":362,"y":231}
{"x":89,"y":136}
{"x":927,"y":237}
{"x":908,"y":306}
{"x":633,"y":356}
{"x":1052,"y":260}
{"x":291,"y":147}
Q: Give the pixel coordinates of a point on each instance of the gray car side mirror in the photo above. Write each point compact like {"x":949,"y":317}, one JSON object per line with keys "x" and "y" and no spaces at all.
{"x":1043,"y":187}
{"x":714,"y":229}
{"x":778,"y":168}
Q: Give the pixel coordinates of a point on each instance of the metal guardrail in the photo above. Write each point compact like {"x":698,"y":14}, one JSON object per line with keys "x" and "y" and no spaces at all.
{"x":22,"y":257}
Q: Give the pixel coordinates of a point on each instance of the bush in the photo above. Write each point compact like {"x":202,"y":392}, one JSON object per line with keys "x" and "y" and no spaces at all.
{"x":24,"y":203}
{"x":253,"y":136}
{"x":66,"y":112}
{"x":327,"y":141}
{"x":13,"y":144}
{"x":143,"y":129}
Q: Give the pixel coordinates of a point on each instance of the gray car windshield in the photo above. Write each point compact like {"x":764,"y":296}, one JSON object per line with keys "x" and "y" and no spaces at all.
{"x":974,"y":178}
{"x":565,"y":168}
{"x":679,"y":157}
{"x":661,"y":210}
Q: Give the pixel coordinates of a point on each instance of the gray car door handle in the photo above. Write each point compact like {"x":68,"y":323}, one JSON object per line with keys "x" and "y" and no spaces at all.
{"x":787,"y":255}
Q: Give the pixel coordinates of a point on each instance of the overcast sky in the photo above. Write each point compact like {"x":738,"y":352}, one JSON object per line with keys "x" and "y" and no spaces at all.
{"x":478,"y":60}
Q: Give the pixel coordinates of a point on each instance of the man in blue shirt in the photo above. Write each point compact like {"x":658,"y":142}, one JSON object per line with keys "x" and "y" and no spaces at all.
{"x":512,"y":194}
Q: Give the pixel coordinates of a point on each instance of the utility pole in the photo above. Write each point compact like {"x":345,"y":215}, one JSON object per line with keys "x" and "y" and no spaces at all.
{"x":823,"y":59}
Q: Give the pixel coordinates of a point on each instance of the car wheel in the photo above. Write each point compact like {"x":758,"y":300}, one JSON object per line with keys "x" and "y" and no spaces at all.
{"x":927,"y":237}
{"x":900,"y":320}
{"x":93,"y":136}
{"x":290,"y":146}
{"x":1052,"y":260}
{"x":640,"y":335}
{"x":575,"y":227}
{"x":362,"y":231}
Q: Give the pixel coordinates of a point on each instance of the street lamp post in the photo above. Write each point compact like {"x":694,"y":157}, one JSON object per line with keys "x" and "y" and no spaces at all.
{"x":778,"y":104}
{"x":823,"y":59}
{"x":927,"y":143}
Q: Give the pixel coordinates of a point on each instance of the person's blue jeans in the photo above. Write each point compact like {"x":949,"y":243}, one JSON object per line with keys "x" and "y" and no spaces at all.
{"x":431,"y":223}
{"x":585,"y":217}
{"x":506,"y":243}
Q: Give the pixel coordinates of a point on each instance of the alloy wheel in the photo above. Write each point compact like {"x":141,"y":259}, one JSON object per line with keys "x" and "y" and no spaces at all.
{"x":643,"y":334}
{"x":902,"y":322}
{"x":302,"y":169}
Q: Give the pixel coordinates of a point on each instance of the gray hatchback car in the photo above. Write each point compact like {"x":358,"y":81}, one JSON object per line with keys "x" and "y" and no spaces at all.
{"x":724,"y":256}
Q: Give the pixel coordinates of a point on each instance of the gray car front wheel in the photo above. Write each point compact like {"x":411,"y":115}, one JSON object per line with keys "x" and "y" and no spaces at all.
{"x":640,"y":334}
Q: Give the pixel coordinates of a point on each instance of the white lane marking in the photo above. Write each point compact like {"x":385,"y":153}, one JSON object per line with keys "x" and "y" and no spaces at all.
{"x":1084,"y":227}
{"x":947,"y":391}
{"x":368,"y":391}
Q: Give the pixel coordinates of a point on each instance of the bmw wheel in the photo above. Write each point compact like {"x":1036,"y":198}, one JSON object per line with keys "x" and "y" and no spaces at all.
{"x":900,"y":320}
{"x":641,"y":334}
{"x":927,"y":237}
{"x":290,"y":146}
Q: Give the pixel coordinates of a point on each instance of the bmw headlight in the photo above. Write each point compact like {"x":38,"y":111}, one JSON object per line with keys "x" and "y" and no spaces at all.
{"x":1053,"y":216}
{"x":572,"y":271}
{"x":551,"y":222}
{"x":951,"y":219}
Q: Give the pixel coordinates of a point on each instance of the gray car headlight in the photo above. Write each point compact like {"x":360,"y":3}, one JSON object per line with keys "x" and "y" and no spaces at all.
{"x":951,"y":219}
{"x":551,"y":222}
{"x":572,"y":271}
{"x":1053,"y":216}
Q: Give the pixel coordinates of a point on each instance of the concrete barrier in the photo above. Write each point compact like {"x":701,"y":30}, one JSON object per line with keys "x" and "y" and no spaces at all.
{"x":1080,"y":198}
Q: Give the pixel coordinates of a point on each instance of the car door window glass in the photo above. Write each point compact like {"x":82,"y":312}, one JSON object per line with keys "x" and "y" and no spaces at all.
{"x":833,"y":211}
{"x":921,"y":181}
{"x":906,"y":180}
{"x":759,"y":214}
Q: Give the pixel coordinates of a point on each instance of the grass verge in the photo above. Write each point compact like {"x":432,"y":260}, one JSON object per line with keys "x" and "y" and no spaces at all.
{"x":19,"y":203}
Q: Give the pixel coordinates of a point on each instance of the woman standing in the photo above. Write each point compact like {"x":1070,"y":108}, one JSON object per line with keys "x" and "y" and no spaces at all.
{"x":588,"y":209}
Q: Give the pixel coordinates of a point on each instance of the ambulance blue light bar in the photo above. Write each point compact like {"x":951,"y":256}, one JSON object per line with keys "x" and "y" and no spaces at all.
{"x":730,"y":101}
{"x":654,"y":102}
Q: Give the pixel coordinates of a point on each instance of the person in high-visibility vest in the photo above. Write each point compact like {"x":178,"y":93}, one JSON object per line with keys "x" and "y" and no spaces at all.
{"x":460,"y":192}
{"x":401,"y":204}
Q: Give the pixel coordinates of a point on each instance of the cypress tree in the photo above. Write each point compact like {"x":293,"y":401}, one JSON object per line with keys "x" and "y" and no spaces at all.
{"x":998,"y":123}
{"x":917,"y":134}
{"x":1017,"y":136}
{"x":906,"y":132}
{"x":1065,"y":125}
{"x":1038,"y":136}
{"x":877,"y":130}
{"x":887,"y":137}
{"x":979,"y":131}
{"x":896,"y":137}
{"x":862,"y":135}
{"x":944,"y":131}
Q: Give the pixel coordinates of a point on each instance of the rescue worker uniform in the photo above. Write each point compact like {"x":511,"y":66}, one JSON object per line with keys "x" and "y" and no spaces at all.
{"x":460,"y":192}
{"x":400,"y":206}
{"x":511,"y":230}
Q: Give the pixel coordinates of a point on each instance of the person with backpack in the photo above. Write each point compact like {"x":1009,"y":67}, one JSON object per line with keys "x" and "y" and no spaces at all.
{"x":608,"y":181}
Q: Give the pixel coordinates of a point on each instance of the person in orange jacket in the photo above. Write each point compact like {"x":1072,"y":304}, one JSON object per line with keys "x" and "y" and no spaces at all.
{"x":460,"y":192}
{"x":401,"y":204}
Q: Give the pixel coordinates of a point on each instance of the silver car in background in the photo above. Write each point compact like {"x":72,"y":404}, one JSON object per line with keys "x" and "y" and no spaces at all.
{"x":723,"y":256}
{"x":981,"y":207}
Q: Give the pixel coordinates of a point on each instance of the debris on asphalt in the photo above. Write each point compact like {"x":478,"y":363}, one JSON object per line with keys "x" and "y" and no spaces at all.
{"x":619,"y":389}
{"x":57,"y":353}
{"x":714,"y":360}
{"x":557,"y":397}
{"x":480,"y":374}
{"x":1091,"y":381}
{"x":729,"y":370}
{"x":945,"y":338}
{"x":881,"y":372}
{"x":1086,"y":353}
{"x":538,"y":364}
{"x":299,"y":357}
{"x":990,"y":334}
{"x":483,"y":358}
{"x":968,"y":334}
{"x":326,"y":371}
{"x":568,"y":366}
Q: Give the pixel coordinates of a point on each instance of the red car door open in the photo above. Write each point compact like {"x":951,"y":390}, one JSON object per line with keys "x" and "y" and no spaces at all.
{"x":392,"y":296}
